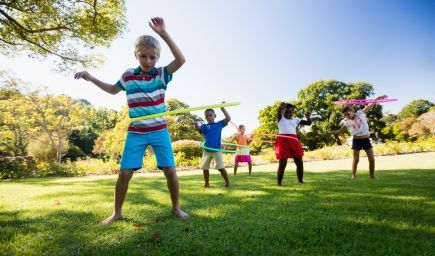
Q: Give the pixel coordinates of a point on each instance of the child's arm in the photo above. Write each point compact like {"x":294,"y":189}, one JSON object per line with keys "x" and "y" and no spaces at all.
{"x":110,"y":88}
{"x":308,"y":117}
{"x":341,"y":130}
{"x":370,"y":106}
{"x":158,"y":25}
{"x":279,"y":111}
{"x":196,"y":126}
{"x":227,"y":116}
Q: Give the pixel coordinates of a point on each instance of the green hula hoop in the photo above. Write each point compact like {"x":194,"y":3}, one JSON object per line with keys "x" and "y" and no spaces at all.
{"x":178,"y":111}
{"x":201,"y":144}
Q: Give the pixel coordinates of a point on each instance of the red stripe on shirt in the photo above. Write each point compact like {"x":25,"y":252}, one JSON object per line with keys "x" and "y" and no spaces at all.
{"x":148,"y":129}
{"x":139,"y":78}
{"x":146,"y":104}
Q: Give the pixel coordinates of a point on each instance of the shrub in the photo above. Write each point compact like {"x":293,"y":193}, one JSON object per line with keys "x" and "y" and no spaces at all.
{"x":45,"y":169}
{"x":190,"y":148}
{"x":16,"y":167}
{"x":93,"y":166}
{"x":150,"y":163}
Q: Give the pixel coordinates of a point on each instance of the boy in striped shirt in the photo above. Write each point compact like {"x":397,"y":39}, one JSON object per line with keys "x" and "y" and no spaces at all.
{"x":145,"y":87}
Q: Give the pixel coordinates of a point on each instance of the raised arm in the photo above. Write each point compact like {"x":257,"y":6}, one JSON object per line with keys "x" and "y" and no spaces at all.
{"x":279,"y":111}
{"x":370,"y":106}
{"x":158,"y":25}
{"x":227,"y":116}
{"x":308,"y":117}
{"x":110,"y":88}
{"x":341,"y":130}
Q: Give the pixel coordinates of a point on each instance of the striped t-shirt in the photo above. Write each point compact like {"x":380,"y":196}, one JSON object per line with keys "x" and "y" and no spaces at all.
{"x":145,"y":96}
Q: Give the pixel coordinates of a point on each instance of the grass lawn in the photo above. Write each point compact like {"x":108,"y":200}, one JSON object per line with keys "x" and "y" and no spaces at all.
{"x":329,"y":215}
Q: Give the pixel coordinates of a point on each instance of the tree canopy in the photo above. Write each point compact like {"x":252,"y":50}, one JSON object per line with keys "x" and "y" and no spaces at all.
{"x":414,"y":109}
{"x":67,"y":29}
{"x":318,"y":98}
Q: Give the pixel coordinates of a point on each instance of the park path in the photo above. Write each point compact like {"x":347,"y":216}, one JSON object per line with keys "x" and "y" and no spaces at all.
{"x":396,"y":162}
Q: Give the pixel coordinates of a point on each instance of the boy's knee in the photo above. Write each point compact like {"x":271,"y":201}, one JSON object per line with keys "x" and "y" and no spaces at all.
{"x":125,"y":175}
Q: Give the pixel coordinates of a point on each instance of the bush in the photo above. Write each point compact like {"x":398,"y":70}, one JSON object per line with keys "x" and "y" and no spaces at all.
{"x":93,"y":166}
{"x":150,"y":163}
{"x":46,"y":169}
{"x":16,"y":167}
{"x":190,"y":148}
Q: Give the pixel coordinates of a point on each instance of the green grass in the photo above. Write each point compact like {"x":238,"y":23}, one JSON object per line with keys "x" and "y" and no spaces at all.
{"x":330,"y":215}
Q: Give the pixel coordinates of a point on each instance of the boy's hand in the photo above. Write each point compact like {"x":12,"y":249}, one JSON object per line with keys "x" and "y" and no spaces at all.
{"x":83,"y":74}
{"x":158,"y":25}
{"x":308,"y":114}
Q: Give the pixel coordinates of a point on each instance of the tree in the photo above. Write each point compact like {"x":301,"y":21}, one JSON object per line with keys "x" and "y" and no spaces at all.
{"x":14,"y":128}
{"x":414,"y":109}
{"x":82,"y":140}
{"x":62,"y":29}
{"x":111,"y":142}
{"x":318,"y":98}
{"x":428,"y":120}
{"x":56,"y":117}
{"x":180,"y":125}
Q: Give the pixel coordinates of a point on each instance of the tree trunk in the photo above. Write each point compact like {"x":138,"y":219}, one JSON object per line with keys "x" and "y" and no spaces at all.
{"x":59,"y":150}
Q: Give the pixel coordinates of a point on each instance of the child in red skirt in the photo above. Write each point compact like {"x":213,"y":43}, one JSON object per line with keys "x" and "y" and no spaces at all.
{"x":242,"y":155}
{"x":287,"y":145}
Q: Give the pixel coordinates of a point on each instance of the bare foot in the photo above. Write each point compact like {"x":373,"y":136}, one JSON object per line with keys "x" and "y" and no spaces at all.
{"x":227,"y":186}
{"x":353,"y":176}
{"x":206,"y":185}
{"x":279,"y":185}
{"x":300,"y":182}
{"x":372,"y":177}
{"x":180,"y":214}
{"x":109,"y":220}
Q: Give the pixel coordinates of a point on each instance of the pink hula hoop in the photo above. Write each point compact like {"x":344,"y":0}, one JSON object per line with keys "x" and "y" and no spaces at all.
{"x":365,"y":101}
{"x":273,"y":135}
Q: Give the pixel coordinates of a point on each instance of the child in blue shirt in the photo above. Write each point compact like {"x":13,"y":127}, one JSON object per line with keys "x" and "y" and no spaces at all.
{"x":212,"y":139}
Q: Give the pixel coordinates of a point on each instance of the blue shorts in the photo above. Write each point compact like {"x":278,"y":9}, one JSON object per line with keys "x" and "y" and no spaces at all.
{"x":136,"y":144}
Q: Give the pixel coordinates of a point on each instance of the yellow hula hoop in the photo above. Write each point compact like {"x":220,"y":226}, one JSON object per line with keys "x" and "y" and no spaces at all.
{"x":178,"y":111}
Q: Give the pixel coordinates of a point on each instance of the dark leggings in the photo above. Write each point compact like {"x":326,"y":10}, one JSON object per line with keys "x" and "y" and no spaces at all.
{"x":299,"y":169}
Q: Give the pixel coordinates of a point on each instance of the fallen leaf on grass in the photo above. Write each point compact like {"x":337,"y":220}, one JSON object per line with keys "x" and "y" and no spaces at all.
{"x":155,"y":235}
{"x":137,"y":225}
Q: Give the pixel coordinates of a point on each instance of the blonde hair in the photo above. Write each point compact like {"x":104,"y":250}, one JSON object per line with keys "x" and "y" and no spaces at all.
{"x":146,"y":41}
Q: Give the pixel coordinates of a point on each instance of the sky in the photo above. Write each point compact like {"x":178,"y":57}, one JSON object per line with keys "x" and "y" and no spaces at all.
{"x":257,"y":52}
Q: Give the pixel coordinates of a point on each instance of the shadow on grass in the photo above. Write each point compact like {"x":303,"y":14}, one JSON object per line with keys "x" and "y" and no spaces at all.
{"x":331,"y":214}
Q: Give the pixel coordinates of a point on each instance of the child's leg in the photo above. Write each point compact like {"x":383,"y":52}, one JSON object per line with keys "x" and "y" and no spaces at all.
{"x":206,"y":178}
{"x":355,"y":162}
{"x":299,"y":169}
{"x":236,"y":164}
{"x":172,"y":182}
{"x":205,"y":166}
{"x":371,"y":156}
{"x":281,"y":169}
{"x":121,"y":188}
{"x":225,"y":176}
{"x":250,"y":167}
